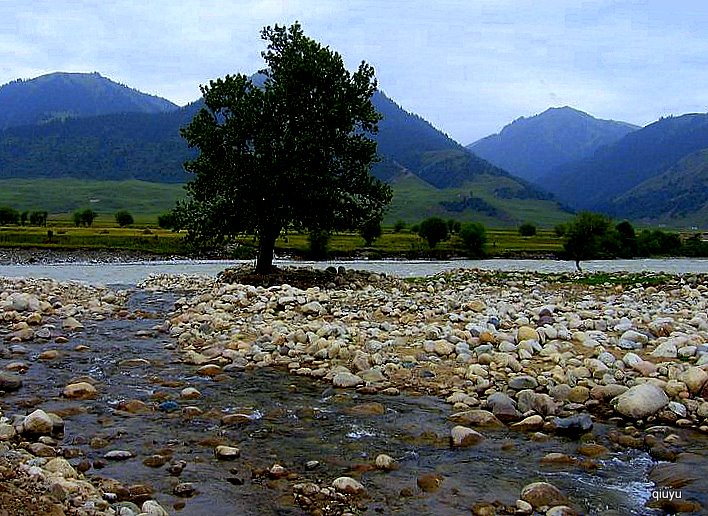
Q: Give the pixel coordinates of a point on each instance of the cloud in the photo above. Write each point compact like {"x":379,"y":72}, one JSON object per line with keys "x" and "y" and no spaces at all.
{"x":468,"y":67}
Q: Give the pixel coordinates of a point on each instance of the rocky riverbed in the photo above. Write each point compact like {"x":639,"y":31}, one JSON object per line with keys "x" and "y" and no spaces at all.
{"x":541,"y":357}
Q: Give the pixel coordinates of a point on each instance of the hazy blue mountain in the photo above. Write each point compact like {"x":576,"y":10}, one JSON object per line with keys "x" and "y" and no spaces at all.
{"x":531,"y":147}
{"x":680,"y":194}
{"x":70,"y":95}
{"x":596,"y":182}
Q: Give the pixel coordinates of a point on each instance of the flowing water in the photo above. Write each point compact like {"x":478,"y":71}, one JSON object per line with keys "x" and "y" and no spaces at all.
{"x":292,"y":421}
{"x":133,"y":273}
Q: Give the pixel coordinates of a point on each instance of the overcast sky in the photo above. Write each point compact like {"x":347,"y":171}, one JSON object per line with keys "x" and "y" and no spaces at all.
{"x":468,"y":66}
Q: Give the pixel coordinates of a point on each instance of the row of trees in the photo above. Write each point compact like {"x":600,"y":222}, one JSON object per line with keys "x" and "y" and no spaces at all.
{"x":10,"y":216}
{"x":595,"y":236}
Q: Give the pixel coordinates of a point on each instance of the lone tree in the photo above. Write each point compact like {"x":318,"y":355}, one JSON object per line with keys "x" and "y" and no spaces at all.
{"x":123,"y":218}
{"x":527,"y":230}
{"x":433,"y":229}
{"x":370,"y":231}
{"x":589,"y":235}
{"x":292,"y":151}
{"x":474,"y":236}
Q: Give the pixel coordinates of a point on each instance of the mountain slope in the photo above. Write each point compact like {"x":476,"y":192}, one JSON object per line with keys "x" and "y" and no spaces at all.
{"x":140,"y":146}
{"x":148,"y":147}
{"x":71,"y":95}
{"x":594,"y":182}
{"x":679,"y":194}
{"x":531,"y":147}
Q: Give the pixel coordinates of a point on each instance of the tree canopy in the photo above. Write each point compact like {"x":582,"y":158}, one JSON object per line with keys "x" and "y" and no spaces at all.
{"x":291,"y":152}
{"x":434,"y":230}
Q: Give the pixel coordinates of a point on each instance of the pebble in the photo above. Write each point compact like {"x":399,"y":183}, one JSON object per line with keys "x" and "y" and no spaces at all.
{"x":540,"y":494}
{"x":348,"y":485}
{"x":118,"y":455}
{"x":80,"y":391}
{"x":38,"y":422}
{"x":223,"y":452}
{"x":462,"y":436}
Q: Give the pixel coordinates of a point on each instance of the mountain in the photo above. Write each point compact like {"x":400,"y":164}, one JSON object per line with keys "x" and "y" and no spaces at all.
{"x":71,"y":95}
{"x":142,"y":146}
{"x":599,"y":182}
{"x":531,"y":147}
{"x":679,"y":194}
{"x":430,"y":173}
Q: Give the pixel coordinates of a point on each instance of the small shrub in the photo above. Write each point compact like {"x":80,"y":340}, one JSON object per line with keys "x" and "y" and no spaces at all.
{"x":399,"y":226}
{"x":123,"y":218}
{"x":473,"y":236}
{"x":166,"y":220}
{"x":527,"y":230}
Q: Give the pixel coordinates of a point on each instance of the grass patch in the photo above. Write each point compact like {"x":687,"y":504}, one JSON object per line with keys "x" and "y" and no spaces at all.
{"x":624,"y":279}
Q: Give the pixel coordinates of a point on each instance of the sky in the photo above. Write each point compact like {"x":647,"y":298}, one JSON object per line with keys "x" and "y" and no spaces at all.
{"x":467,"y":66}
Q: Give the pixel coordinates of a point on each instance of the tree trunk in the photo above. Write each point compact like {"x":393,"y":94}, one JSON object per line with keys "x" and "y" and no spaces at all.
{"x":577,"y":265}
{"x":266,"y":247}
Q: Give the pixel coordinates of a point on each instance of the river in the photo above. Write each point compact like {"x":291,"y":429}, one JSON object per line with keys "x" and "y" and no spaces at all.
{"x":133,"y":273}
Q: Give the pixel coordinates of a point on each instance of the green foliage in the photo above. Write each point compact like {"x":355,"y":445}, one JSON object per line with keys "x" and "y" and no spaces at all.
{"x":123,"y":218}
{"x":433,"y":230}
{"x":527,"y":230}
{"x":370,"y":231}
{"x":658,"y":242}
{"x":453,"y":226}
{"x":318,"y":240}
{"x":695,"y":246}
{"x":627,"y":240}
{"x":84,"y":217}
{"x":560,"y":230}
{"x":68,"y":195}
{"x":473,"y":236}
{"x":399,"y":226}
{"x":292,"y":152}
{"x":166,"y":221}
{"x":38,"y":218}
{"x":588,"y":236}
{"x":8,"y":216}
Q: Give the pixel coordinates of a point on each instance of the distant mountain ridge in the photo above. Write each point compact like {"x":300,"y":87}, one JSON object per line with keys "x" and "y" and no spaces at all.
{"x":61,"y":95}
{"x":531,"y":147}
{"x":449,"y":180}
{"x":603,"y":182}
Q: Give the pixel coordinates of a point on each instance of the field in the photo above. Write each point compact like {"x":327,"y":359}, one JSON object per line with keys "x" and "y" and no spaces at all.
{"x":146,"y":238}
{"x":64,"y":196}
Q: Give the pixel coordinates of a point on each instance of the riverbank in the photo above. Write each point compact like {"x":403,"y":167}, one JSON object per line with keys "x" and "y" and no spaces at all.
{"x":543,"y":356}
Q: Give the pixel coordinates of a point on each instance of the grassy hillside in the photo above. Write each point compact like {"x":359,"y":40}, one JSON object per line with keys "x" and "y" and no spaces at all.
{"x":104,"y":197}
{"x":680,"y":195}
{"x":413,"y":200}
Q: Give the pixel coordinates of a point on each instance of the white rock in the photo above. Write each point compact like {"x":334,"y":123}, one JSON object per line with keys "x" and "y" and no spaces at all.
{"x":640,"y":401}
{"x":345,"y":380}
{"x":38,"y":422}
